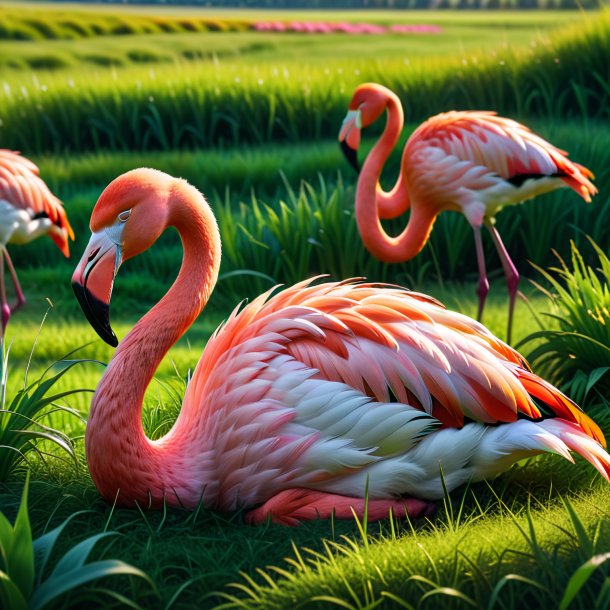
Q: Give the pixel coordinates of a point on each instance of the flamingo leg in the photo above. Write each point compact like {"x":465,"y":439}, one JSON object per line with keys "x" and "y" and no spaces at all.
{"x":511,"y":273}
{"x":483,"y":287}
{"x":20,"y":297}
{"x":5,"y":309}
{"x":292,"y":506}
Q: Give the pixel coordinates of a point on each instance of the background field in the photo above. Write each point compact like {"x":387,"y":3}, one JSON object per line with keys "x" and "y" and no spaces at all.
{"x":251,"y":119}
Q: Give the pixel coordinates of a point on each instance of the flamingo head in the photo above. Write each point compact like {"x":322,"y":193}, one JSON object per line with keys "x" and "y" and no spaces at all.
{"x":128,"y":218}
{"x":367,"y":105}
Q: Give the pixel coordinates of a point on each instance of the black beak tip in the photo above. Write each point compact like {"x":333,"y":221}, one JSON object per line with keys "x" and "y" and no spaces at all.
{"x":351,"y":155}
{"x":96,"y":312}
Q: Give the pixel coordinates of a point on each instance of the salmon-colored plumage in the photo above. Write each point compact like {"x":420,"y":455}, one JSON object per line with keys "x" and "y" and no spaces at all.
{"x":28,"y":209}
{"x":471,"y":162}
{"x":304,"y":399}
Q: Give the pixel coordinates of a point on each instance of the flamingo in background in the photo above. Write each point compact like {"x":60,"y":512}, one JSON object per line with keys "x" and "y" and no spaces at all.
{"x":28,"y":209}
{"x":304,"y":399}
{"x":471,"y":162}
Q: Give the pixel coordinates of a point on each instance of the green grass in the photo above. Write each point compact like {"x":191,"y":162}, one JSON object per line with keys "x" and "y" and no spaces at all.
{"x":22,"y":23}
{"x":579,"y":300}
{"x":85,"y":38}
{"x":493,"y":557}
{"x":234,"y":103}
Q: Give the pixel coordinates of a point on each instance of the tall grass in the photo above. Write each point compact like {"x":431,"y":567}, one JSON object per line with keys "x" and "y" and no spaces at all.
{"x":227,"y":104}
{"x":575,"y":352}
{"x":25,"y":423}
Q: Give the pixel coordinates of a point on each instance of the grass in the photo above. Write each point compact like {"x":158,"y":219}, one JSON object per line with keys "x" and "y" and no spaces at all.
{"x":579,"y":299}
{"x":21,"y":23}
{"x":24,"y":412}
{"x":206,"y":105}
{"x":455,"y":565}
{"x":56,"y":40}
{"x":27,"y":581}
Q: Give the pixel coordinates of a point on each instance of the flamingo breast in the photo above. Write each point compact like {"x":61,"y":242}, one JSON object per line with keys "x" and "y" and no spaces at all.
{"x":12,"y":221}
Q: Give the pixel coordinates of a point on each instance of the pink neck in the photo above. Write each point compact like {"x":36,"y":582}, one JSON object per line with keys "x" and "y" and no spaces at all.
{"x":373,"y":204}
{"x":393,"y":203}
{"x":119,"y":454}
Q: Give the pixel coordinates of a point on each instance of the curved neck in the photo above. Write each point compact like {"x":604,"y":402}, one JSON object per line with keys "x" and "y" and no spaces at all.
{"x":393,"y":203}
{"x":390,"y":204}
{"x":119,"y":454}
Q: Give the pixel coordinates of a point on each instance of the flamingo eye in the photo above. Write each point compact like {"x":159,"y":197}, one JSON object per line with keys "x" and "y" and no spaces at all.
{"x":124,"y":216}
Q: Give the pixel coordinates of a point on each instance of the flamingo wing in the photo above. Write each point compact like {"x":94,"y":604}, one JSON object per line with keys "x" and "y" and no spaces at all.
{"x":479,"y":146}
{"x":22,"y":187}
{"x":321,"y":381}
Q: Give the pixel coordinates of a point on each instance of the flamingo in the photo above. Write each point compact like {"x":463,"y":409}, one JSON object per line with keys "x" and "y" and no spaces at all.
{"x":28,"y":209}
{"x":473,"y":162}
{"x":302,"y":400}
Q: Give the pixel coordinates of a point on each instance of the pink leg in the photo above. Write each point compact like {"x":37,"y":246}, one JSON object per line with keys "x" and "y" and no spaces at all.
{"x":483,"y":287}
{"x":511,"y":273}
{"x":5,"y":309}
{"x":20,"y":301}
{"x":292,"y":506}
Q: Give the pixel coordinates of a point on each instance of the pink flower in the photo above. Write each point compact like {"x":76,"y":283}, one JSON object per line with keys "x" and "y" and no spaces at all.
{"x":323,"y":27}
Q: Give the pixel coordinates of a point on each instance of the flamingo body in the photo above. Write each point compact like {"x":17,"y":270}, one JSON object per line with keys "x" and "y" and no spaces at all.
{"x":28,"y":209}
{"x":477,"y":162}
{"x":472,"y":162}
{"x":303,"y":400}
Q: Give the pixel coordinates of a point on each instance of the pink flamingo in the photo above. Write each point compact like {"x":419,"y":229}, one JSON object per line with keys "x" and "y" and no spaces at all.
{"x":471,"y":162}
{"x":28,"y":209}
{"x":304,"y":399}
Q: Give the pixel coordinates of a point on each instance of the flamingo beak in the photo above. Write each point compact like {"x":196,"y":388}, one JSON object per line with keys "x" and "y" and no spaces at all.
{"x":93,"y":280}
{"x":349,"y":137}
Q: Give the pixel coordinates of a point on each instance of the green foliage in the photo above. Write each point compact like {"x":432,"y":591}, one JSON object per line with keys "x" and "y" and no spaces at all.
{"x":22,"y":413}
{"x":576,"y":353}
{"x":219,"y":104}
{"x":26,"y":580}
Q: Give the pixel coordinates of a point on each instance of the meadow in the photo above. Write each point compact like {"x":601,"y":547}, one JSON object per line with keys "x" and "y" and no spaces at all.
{"x":251,"y":119}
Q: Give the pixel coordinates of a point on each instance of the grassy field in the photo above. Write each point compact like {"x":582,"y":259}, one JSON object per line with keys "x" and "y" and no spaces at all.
{"x":232,"y":103}
{"x":251,"y":119}
{"x":251,"y":48}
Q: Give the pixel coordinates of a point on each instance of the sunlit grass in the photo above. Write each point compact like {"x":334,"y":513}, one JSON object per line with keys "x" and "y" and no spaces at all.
{"x":514,"y":554}
{"x":232,"y":103}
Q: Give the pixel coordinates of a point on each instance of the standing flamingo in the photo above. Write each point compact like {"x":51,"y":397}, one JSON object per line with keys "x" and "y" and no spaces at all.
{"x":302,"y":400}
{"x":28,"y":209}
{"x":471,"y":162}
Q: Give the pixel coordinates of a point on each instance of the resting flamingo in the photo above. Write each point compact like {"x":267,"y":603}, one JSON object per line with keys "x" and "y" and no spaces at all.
{"x":304,"y":399}
{"x":472,"y":162}
{"x":28,"y":209}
